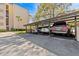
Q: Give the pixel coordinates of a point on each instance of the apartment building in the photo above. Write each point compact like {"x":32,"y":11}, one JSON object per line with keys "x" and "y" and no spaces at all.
{"x":12,"y":16}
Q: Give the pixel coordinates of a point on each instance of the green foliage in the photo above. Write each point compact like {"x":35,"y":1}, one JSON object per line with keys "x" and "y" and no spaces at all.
{"x":52,"y":9}
{"x":18,"y":17}
{"x":2,"y":30}
{"x":20,"y":32}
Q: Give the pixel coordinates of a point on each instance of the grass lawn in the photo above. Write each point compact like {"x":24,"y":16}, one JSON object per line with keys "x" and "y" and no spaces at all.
{"x":20,"y":32}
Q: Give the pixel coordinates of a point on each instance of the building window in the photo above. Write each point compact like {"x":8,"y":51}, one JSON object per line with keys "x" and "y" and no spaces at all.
{"x":7,"y":22}
{"x":7,"y":6}
{"x":7,"y":17}
{"x":7,"y":13}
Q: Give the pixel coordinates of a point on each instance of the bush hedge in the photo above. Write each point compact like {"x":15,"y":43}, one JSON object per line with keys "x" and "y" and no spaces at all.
{"x":2,"y":30}
{"x":18,"y":29}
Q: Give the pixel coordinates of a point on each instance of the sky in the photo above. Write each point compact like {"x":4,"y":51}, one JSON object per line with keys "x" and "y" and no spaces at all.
{"x":75,"y":5}
{"x":32,"y":7}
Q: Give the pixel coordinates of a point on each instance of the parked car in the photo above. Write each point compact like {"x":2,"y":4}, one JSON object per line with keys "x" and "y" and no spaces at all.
{"x":61,"y":27}
{"x":35,"y":30}
{"x":44,"y":29}
{"x":73,"y":31}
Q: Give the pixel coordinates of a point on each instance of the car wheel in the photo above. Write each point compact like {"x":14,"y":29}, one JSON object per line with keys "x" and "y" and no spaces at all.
{"x":68,"y":33}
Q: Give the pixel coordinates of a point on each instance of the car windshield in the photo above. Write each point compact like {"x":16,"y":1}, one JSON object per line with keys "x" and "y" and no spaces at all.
{"x":59,"y":23}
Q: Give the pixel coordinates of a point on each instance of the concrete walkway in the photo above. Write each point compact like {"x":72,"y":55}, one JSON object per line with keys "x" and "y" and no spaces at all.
{"x":5,"y":34}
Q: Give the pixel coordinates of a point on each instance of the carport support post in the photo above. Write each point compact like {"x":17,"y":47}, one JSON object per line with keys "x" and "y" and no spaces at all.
{"x":36,"y":27}
{"x":76,"y":37}
{"x":76,"y":30}
{"x":30,"y":29}
{"x":26,"y":28}
{"x":49,"y":28}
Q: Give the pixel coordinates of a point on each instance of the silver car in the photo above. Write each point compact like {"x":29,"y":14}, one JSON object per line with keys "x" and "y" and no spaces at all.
{"x":61,"y":27}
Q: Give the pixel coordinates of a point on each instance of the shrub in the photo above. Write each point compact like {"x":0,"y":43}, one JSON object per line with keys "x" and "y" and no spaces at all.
{"x":2,"y":30}
{"x":17,"y":29}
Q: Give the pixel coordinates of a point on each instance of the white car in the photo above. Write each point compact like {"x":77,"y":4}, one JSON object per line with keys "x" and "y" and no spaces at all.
{"x":35,"y":31}
{"x":44,"y":29}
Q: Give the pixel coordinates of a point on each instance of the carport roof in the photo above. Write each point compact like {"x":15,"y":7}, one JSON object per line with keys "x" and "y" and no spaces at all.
{"x":68,"y":16}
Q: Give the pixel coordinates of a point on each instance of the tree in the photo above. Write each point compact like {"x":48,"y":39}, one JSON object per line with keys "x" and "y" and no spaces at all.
{"x":19,"y":20}
{"x":64,"y":8}
{"x":51,"y":9}
{"x":18,"y":17}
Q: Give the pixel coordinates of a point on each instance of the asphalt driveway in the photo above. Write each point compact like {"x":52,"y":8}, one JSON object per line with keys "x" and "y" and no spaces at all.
{"x":61,"y":46}
{"x":38,"y":45}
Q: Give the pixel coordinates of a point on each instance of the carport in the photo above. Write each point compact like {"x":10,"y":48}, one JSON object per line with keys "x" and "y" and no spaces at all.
{"x":69,"y":17}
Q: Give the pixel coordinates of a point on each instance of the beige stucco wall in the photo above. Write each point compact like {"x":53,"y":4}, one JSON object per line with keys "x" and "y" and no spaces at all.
{"x":23,"y":13}
{"x":14,"y":10}
{"x":2,"y":16}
